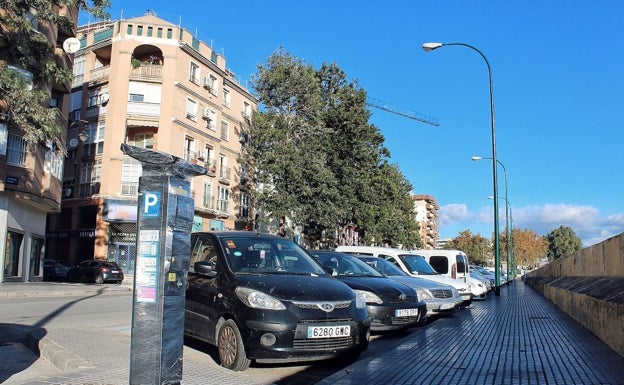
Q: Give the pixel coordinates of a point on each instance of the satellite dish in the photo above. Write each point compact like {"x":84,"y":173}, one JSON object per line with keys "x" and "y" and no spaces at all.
{"x":71,"y":45}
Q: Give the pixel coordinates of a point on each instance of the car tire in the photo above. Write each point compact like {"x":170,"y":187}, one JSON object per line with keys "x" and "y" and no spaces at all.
{"x":231,"y":348}
{"x":99,"y":278}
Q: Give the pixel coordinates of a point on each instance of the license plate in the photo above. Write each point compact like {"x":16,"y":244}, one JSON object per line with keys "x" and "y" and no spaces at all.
{"x":406,"y":312}
{"x":446,"y":306}
{"x":329,"y":331}
{"x":115,"y":271}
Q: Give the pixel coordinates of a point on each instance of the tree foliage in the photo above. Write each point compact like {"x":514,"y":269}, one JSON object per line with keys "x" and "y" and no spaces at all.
{"x":562,"y":242}
{"x":26,"y":50}
{"x":528,"y":247}
{"x":476,"y":247}
{"x":317,"y":160}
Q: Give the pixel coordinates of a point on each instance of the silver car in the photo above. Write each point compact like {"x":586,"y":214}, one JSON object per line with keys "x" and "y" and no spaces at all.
{"x":440,"y":298}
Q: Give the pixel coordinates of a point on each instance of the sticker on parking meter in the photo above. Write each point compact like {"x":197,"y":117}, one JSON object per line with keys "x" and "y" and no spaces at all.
{"x":146,"y":270}
{"x":151,"y":204}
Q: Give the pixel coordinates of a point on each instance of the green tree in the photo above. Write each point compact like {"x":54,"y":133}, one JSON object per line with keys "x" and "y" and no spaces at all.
{"x":27,"y":65}
{"x":562,"y":242}
{"x":318,"y":160}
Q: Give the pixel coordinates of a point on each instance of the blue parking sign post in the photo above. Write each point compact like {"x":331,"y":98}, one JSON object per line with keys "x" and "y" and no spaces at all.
{"x":164,"y":222}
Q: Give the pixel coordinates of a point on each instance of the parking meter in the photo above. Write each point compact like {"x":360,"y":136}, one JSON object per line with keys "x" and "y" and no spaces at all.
{"x":165,"y":219}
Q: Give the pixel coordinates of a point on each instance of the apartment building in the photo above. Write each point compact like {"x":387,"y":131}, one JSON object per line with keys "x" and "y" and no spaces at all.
{"x":427,"y":210}
{"x":151,"y":84}
{"x":30,"y":174}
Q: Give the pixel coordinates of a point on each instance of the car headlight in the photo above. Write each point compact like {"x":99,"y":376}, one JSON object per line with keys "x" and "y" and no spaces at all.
{"x":369,"y":297}
{"x":360,"y":301}
{"x":423,"y":294}
{"x":258,"y":300}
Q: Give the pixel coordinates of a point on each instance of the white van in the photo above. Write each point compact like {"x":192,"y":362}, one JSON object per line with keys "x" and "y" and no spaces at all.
{"x":413,"y":264}
{"x":454,"y":264}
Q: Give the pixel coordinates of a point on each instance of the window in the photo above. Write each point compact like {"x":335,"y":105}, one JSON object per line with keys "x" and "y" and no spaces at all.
{"x":159,"y":32}
{"x":144,"y":140}
{"x":36,"y":255}
{"x":16,"y":150}
{"x":12,"y":254}
{"x":129,"y":29}
{"x":169,"y":33}
{"x":227,"y":98}
{"x":191,"y":109}
{"x":189,"y":148}
{"x":96,"y":98}
{"x":194,"y":73}
{"x":53,"y":161}
{"x":139,"y":30}
{"x":224,"y":170}
{"x":95,"y":143}
{"x":207,"y":196}
{"x":90,"y":174}
{"x":150,"y":31}
{"x":243,"y":210}
{"x":225,"y":128}
{"x":246,"y":110}
{"x":223,"y":198}
{"x":136,"y":98}
{"x":131,"y":170}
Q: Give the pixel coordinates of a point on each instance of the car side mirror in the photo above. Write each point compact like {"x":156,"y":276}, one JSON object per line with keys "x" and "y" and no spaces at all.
{"x":330,"y":270}
{"x":205,"y":268}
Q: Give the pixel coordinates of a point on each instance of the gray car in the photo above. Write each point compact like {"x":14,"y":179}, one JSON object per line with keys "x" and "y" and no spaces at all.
{"x":438,"y":297}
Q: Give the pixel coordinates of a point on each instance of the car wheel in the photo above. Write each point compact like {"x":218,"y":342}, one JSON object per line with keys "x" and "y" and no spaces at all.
{"x":231,"y":349}
{"x":99,"y":278}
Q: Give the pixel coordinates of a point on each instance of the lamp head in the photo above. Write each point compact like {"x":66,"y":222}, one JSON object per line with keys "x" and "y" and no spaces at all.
{"x":431,"y":46}
{"x":476,"y":158}
{"x":83,"y":136}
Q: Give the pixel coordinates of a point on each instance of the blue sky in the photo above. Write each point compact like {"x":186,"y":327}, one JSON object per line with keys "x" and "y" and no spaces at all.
{"x":558,"y":94}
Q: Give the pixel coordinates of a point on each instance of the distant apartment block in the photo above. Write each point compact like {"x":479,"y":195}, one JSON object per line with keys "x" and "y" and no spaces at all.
{"x":151,"y":84}
{"x":426,"y":210}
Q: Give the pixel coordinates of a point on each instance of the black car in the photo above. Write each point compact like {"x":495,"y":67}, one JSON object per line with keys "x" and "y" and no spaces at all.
{"x":96,"y":271}
{"x":392,"y":305}
{"x":55,"y":269}
{"x":261,"y":297}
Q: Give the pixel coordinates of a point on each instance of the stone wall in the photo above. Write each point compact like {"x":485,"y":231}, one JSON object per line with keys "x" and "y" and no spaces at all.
{"x":589,"y":287}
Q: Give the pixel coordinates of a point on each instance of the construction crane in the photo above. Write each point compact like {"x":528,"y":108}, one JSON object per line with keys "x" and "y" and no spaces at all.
{"x":380,"y":104}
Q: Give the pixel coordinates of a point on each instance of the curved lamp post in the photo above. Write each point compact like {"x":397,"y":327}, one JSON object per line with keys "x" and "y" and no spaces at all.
{"x":507,"y":230}
{"x":433,"y":46}
{"x":507,"y":206}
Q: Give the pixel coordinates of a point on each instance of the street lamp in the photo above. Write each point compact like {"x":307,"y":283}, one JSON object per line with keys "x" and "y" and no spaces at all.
{"x":430,"y":47}
{"x":507,"y":229}
{"x":507,"y":204}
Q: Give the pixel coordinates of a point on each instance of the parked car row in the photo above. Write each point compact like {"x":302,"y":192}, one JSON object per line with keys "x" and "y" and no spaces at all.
{"x":258,"y":297}
{"x":90,"y":271}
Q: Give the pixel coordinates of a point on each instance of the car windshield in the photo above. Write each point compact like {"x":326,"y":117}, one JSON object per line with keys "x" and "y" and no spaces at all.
{"x":417,"y":264}
{"x":344,"y":264}
{"x":384,"y":267}
{"x":250,"y":254}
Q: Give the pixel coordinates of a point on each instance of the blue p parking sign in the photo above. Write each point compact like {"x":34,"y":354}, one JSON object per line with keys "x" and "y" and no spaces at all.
{"x":151,"y":204}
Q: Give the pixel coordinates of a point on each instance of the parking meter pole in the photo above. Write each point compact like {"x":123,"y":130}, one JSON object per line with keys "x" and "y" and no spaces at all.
{"x":165,"y":218}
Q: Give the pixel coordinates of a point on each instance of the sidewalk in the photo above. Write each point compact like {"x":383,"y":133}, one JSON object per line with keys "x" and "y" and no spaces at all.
{"x":518,"y":337}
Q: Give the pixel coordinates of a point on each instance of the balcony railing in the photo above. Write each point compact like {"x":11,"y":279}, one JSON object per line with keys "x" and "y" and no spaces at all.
{"x":148,"y":72}
{"x":144,"y":108}
{"x":99,"y":75}
{"x":208,"y":201}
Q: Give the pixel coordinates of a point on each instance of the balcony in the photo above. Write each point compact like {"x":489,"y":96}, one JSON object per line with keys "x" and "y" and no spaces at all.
{"x":147,"y":72}
{"x":99,"y":75}
{"x":143,"y":109}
